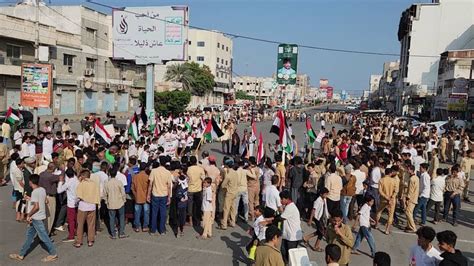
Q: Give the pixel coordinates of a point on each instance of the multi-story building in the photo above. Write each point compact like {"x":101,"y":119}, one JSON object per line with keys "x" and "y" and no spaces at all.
{"x":387,"y":85}
{"x":455,"y":93}
{"x":262,"y":88}
{"x":374,"y":83}
{"x":85,"y":77}
{"x":425,"y":31}
{"x":213,"y":49}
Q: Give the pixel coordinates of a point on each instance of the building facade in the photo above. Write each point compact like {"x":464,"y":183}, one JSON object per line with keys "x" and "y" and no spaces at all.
{"x":425,"y":31}
{"x":262,"y":88}
{"x":85,"y":77}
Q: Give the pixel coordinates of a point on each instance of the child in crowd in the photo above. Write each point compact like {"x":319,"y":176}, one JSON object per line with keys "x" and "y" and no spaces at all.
{"x":320,"y":214}
{"x":182,"y":202}
{"x":207,"y":209}
{"x":364,"y":220}
{"x":451,"y":255}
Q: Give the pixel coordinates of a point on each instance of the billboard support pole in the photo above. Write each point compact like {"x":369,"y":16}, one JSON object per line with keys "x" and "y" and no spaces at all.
{"x":149,"y":90}
{"x":35,"y":109}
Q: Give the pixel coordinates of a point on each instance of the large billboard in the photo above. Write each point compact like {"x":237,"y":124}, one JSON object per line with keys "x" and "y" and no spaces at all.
{"x":36,"y":85}
{"x":329,"y":92}
{"x":150,"y":34}
{"x":323,"y":83}
{"x":287,"y":64}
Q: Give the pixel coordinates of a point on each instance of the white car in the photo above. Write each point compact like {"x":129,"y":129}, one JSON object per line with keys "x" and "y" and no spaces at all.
{"x":406,"y":120}
{"x":351,"y":107}
{"x":441,"y":126}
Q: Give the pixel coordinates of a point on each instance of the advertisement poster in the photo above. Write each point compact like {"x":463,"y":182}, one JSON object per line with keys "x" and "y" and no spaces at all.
{"x":329,"y":92}
{"x":287,"y":64}
{"x":457,"y":102}
{"x":36,"y":85}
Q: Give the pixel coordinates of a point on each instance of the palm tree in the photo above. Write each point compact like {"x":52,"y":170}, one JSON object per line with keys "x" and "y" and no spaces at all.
{"x":180,"y":73}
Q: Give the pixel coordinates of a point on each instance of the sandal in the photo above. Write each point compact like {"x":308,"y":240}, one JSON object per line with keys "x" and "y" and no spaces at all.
{"x":90,"y":244}
{"x":16,"y":257}
{"x":136,"y":230}
{"x":77,"y":245}
{"x":49,"y":258}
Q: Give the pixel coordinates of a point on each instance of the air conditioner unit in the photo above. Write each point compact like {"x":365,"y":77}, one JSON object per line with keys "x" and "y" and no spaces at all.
{"x":121,"y":87}
{"x":69,"y":69}
{"x":108,"y":85}
{"x":59,"y":91}
{"x":89,"y":72}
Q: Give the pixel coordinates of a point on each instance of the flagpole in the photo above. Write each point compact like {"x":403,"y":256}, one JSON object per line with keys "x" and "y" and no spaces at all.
{"x":199,"y":145}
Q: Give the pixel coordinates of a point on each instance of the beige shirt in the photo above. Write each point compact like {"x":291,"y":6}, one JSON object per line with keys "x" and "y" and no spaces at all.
{"x":114,"y":194}
{"x":242,"y":184}
{"x":388,"y":188}
{"x":6,"y":130}
{"x":231,"y":182}
{"x":334,"y":184}
{"x":160,"y":179}
{"x":413,"y":189}
{"x":196,"y":175}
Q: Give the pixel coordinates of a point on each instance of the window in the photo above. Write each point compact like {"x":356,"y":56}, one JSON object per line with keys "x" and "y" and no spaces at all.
{"x":200,"y":58}
{"x":218,"y":45}
{"x":218,"y":60}
{"x":222,"y":61}
{"x":226,"y":62}
{"x":90,"y":63}
{"x":13,"y":51}
{"x":68,"y":59}
{"x":227,"y":49}
{"x":201,"y":44}
{"x":189,"y":42}
{"x":189,"y":57}
{"x":91,"y":33}
{"x":223,"y":47}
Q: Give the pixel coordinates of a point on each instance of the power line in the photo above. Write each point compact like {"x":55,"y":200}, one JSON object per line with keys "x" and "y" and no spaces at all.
{"x":312,"y":47}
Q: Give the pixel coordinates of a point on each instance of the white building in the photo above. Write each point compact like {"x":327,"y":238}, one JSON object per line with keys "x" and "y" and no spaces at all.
{"x":374,"y":83}
{"x":425,"y":31}
{"x":262,"y":88}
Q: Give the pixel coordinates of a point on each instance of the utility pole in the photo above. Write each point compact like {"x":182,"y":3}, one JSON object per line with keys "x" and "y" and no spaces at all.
{"x":35,"y":109}
{"x":149,"y":92}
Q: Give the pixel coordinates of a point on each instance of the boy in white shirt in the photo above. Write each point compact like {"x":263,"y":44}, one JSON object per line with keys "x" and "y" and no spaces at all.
{"x":207,"y":209}
{"x":423,"y":253}
{"x":436,"y":192}
{"x":321,"y":214}
{"x":70,"y":185}
{"x":364,"y":220}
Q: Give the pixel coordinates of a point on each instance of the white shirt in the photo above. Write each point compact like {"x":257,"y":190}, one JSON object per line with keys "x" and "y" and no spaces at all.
{"x":364,"y":218}
{"x":70,"y":186}
{"x":207,"y":199}
{"x":103,"y":178}
{"x":122,"y":178}
{"x":320,"y":207}
{"x":425,"y":185}
{"x":292,"y":223}
{"x":132,"y":150}
{"x":259,"y":229}
{"x":16,"y":176}
{"x":38,"y":195}
{"x":47,"y":147}
{"x":417,"y":160}
{"x":25,"y":150}
{"x":87,"y":139}
{"x":437,"y":188}
{"x":360,"y":177}
{"x":144,"y":157}
{"x":17,"y":137}
{"x":272,"y":197}
{"x":422,"y":258}
{"x":376,"y":174}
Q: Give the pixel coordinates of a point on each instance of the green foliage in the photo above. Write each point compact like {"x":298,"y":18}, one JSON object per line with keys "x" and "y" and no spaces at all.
{"x":242,"y":95}
{"x":195,"y":78}
{"x":166,"y":102}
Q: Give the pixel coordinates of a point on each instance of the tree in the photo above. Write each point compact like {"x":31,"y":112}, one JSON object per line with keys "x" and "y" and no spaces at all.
{"x":174,"y":102}
{"x":242,"y":95}
{"x":195,"y":78}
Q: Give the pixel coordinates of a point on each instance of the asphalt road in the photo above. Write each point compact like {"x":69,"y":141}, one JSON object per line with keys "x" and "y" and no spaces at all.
{"x":225,"y":248}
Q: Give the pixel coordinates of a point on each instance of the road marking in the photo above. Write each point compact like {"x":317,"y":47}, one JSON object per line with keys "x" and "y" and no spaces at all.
{"x":410,"y":234}
{"x":179,"y":247}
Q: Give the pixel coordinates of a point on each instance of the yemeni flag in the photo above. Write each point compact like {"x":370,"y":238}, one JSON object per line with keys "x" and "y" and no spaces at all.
{"x":212,"y":130}
{"x":310,"y":132}
{"x":253,"y":137}
{"x":280,"y":128}
{"x":260,"y":151}
{"x":133,"y":128}
{"x":102,"y":132}
{"x":11,"y":117}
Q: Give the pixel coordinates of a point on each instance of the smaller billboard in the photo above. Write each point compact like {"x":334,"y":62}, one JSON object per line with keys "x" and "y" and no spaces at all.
{"x":36,"y":85}
{"x":323,"y":83}
{"x":457,"y":102}
{"x":329,"y":93}
{"x":287,"y":64}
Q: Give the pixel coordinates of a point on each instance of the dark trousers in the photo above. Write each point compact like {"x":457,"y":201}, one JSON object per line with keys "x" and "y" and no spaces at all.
{"x":194,"y":206}
{"x":226,"y":146}
{"x":333,"y":205}
{"x":286,"y":245}
{"x":437,"y":205}
{"x":158,"y":214}
{"x":71,"y":220}
{"x":61,"y":209}
{"x":181,"y":218}
{"x":456,"y":201}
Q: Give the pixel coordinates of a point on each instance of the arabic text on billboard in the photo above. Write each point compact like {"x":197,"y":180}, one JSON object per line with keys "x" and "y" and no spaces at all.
{"x":36,"y":85}
{"x":150,"y":34}
{"x":457,"y":102}
{"x":287,"y":64}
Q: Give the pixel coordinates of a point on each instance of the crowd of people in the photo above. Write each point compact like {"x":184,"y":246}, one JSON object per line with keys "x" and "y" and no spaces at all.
{"x":340,"y":184}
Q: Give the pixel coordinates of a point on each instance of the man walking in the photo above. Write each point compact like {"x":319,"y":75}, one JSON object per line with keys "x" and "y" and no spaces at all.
{"x":35,"y":218}
{"x":292,"y":233}
{"x":411,"y":199}
{"x":230,"y":187}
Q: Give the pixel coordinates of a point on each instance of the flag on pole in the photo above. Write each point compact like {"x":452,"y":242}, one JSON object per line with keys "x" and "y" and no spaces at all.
{"x":157,"y":130}
{"x":187,"y":124}
{"x":280,"y":128}
{"x":133,"y":128}
{"x":253,"y":137}
{"x":102,"y":132}
{"x":141,"y":114}
{"x":212,"y":130}
{"x":260,"y":151}
{"x":310,"y":132}
{"x":11,"y":117}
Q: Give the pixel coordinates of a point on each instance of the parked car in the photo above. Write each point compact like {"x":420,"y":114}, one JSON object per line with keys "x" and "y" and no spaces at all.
{"x":442,"y":126}
{"x":406,"y":120}
{"x":26,"y":121}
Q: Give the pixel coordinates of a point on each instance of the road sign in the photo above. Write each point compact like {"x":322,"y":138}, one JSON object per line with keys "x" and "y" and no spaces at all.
{"x":287,"y":64}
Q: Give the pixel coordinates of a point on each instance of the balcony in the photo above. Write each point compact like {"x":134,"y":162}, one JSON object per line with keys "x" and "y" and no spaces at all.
{"x":10,"y":67}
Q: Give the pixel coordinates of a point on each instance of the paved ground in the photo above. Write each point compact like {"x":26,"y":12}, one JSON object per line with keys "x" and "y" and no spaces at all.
{"x":225,"y":248}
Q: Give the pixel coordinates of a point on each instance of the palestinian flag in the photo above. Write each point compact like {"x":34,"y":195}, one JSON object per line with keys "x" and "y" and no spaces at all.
{"x":260,"y":151}
{"x":141,"y":114}
{"x":11,"y":117}
{"x":133,"y":128}
{"x":102,"y":132}
{"x":310,"y":132}
{"x":212,"y":130}
{"x":187,"y":124}
{"x":280,"y":128}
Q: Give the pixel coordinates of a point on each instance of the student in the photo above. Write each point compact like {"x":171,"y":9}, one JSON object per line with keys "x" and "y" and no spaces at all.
{"x":381,"y":259}
{"x":258,"y":231}
{"x":70,"y":185}
{"x":182,"y":202}
{"x":321,"y":214}
{"x":332,"y":254}
{"x":451,"y":256}
{"x":411,"y":199}
{"x":114,"y":193}
{"x":423,"y":253}
{"x":88,"y":194}
{"x":35,"y":218}
{"x":424,"y":193}
{"x":341,"y":235}
{"x":292,"y":232}
{"x":452,"y":194}
{"x":268,"y":253}
{"x":207,"y":209}
{"x":364,"y":220}
{"x":436,"y":193}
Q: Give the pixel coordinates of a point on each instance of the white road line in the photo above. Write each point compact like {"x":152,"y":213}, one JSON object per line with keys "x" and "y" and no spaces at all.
{"x":410,"y":234}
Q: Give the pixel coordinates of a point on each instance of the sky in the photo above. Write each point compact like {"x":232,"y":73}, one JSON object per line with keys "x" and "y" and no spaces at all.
{"x":364,"y":25}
